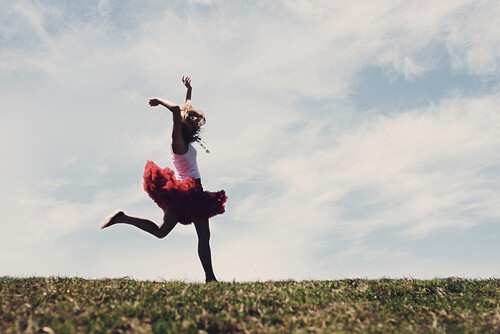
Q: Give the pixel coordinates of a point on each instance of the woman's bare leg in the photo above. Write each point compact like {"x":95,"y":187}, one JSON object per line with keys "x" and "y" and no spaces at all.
{"x":170,"y":219}
{"x":203,"y":231}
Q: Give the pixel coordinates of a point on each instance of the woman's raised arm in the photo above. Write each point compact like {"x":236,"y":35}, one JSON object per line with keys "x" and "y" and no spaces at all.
{"x":187,"y":82}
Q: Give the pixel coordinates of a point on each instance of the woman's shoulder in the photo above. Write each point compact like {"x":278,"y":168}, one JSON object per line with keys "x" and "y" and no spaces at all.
{"x":179,"y":147}
{"x":189,"y":150}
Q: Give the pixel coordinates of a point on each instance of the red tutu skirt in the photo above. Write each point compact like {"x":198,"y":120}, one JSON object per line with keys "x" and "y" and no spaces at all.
{"x":186,"y":196}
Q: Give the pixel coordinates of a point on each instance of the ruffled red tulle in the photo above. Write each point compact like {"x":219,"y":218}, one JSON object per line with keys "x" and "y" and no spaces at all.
{"x":186,"y":196}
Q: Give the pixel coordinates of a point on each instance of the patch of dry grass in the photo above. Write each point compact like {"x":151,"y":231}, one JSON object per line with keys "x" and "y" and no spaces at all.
{"x":69,"y":305}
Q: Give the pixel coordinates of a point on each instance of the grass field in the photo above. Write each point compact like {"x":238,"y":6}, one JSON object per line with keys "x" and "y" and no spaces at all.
{"x":74,"y":305}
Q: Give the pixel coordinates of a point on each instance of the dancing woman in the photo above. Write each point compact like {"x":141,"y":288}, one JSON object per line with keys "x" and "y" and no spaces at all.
{"x":181,"y":198}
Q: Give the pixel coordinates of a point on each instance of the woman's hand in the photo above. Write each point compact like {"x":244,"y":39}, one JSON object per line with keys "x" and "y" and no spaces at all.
{"x":154,"y":102}
{"x":186,"y":81}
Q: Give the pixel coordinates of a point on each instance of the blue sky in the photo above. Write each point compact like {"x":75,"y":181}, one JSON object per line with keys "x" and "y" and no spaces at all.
{"x":354,"y":139}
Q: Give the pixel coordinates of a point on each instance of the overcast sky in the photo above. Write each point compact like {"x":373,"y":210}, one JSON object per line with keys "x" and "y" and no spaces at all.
{"x":354,"y":139}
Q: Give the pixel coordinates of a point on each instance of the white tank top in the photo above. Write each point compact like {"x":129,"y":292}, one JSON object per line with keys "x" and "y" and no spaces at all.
{"x":185,"y":164}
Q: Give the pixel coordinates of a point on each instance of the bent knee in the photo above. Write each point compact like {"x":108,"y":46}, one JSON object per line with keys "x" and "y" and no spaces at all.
{"x":161,"y":234}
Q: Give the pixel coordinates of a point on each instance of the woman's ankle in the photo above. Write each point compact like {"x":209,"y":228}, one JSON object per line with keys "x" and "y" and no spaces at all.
{"x":210,"y":279}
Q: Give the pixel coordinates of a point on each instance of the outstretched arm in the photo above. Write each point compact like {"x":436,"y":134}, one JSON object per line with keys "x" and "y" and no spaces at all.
{"x":179,"y":145}
{"x":187,"y":82}
{"x":167,"y":104}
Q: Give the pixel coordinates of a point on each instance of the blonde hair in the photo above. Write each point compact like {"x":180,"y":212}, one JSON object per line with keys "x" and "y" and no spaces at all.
{"x":192,"y":121}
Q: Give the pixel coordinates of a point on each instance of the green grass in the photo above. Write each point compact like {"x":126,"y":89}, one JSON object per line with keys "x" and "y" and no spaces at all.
{"x":69,"y":305}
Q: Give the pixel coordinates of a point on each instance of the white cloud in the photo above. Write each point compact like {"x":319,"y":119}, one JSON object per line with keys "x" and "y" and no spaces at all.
{"x":418,"y":165}
{"x":473,"y":39}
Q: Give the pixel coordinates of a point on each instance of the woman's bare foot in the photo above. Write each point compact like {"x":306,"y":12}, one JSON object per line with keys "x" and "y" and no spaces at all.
{"x":111,"y":220}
